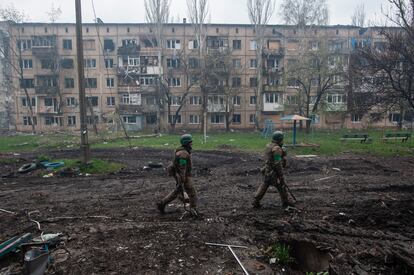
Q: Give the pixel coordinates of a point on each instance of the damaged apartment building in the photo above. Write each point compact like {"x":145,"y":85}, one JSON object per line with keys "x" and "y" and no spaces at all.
{"x":127,"y":74}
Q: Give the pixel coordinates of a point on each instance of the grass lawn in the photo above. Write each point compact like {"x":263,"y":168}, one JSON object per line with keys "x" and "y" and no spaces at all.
{"x":246,"y":141}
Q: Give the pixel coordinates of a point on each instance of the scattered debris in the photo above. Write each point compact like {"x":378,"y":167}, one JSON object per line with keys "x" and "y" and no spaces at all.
{"x":324,"y":178}
{"x":336,"y":169}
{"x":35,"y":261}
{"x":26,"y":168}
{"x":7,"y":211}
{"x":13,"y":244}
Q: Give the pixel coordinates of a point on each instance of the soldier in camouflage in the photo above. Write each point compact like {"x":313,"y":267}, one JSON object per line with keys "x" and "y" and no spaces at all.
{"x":181,"y":171}
{"x":275,"y":161}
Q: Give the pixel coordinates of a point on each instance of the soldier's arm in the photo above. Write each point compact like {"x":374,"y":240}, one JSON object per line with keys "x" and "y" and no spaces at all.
{"x":183,"y":163}
{"x":278,"y":160}
{"x":284,"y":155}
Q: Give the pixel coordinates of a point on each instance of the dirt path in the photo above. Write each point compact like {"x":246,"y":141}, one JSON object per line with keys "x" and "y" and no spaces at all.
{"x":356,"y":215}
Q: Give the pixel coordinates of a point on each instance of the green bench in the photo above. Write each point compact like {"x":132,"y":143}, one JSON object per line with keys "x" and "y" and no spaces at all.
{"x":363,"y":138}
{"x":396,"y":136}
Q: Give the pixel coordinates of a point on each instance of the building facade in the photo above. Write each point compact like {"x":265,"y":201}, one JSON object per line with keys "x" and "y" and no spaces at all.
{"x":134,"y":83}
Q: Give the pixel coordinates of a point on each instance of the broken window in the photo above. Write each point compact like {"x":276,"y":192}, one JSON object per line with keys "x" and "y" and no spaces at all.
{"x":293,"y":45}
{"x":47,"y":81}
{"x":109,"y":45}
{"x":149,"y":60}
{"x":89,"y":44}
{"x":192,"y":44}
{"x":176,"y":100}
{"x":46,"y":64}
{"x":67,"y":63}
{"x":253,"y":63}
{"x":44,"y":41}
{"x":92,"y":101}
{"x":216,"y":42}
{"x":53,"y":120}
{"x":253,"y":45}
{"x":27,"y":83}
{"x":194,"y":119}
{"x":273,"y":45}
{"x":129,"y":42}
{"x":292,"y":99}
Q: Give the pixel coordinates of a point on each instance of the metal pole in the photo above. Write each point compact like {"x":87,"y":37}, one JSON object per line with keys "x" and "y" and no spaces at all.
{"x":85,"y":154}
{"x":232,"y":252}
{"x":294,"y":132}
{"x":238,"y":260}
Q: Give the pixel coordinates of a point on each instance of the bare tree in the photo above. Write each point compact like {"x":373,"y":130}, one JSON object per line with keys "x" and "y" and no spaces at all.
{"x":182,"y":64}
{"x":197,"y":11}
{"x":359,"y":16}
{"x":388,"y":65}
{"x":260,"y":12}
{"x":157,"y":15}
{"x":303,"y":13}
{"x":12,"y":52}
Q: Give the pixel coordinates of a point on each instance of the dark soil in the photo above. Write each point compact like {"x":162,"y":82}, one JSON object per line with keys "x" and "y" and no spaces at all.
{"x":355,"y":219}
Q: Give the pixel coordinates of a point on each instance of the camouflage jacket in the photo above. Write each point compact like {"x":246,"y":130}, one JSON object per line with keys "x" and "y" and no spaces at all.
{"x":275,"y":160}
{"x":182,"y":163}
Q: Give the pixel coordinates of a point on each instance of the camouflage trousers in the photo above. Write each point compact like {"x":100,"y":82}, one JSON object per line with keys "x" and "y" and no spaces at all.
{"x":178,"y":193}
{"x":275,"y":179}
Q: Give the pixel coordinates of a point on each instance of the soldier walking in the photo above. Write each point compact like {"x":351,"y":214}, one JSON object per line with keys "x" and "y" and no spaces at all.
{"x":181,"y":171}
{"x":275,"y":161}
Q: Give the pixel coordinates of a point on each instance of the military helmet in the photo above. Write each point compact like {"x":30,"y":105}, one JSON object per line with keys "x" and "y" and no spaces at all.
{"x":186,"y":139}
{"x":277,"y":136}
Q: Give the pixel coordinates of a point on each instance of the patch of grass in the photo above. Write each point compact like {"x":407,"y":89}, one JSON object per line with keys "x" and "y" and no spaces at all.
{"x":329,"y":142}
{"x":282,"y":253}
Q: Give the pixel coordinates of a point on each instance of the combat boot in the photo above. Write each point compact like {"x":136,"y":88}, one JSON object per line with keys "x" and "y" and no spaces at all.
{"x":161,"y":207}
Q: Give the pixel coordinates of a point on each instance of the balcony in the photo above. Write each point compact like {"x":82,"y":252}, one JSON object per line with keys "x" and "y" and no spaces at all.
{"x":130,"y":109}
{"x":131,"y":50}
{"x":125,"y":89}
{"x":272,"y":88}
{"x":273,"y":107}
{"x":336,"y":107}
{"x":216,"y":108}
{"x":276,"y":52}
{"x":153,"y":70}
{"x":46,"y":90}
{"x":45,"y":110}
{"x":44,"y":51}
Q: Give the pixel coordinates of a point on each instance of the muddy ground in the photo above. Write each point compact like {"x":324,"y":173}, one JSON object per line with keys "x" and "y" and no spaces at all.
{"x":355,"y":215}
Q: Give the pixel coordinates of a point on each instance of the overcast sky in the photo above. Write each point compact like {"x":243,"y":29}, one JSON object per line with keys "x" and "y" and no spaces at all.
{"x":221,"y":11}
